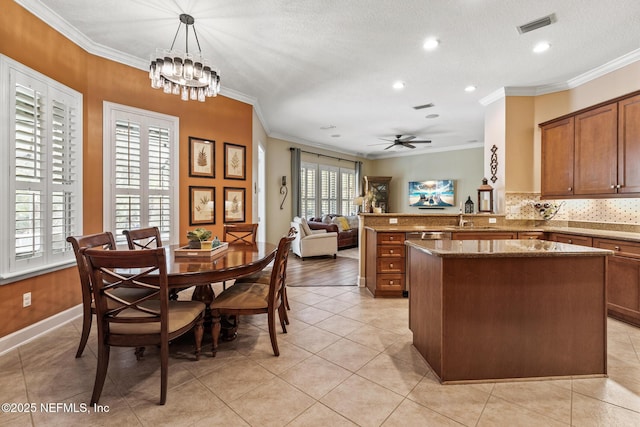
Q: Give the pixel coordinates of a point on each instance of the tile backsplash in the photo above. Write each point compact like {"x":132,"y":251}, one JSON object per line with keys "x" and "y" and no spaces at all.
{"x":609,"y":211}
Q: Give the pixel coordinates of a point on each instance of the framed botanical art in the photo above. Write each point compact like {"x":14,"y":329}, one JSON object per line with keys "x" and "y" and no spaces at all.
{"x":235,"y":161}
{"x":234,"y":203}
{"x":202,"y":158}
{"x":202,"y":205}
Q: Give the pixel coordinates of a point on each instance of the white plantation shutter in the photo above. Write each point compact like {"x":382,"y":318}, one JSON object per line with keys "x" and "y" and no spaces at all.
{"x":347,"y":191}
{"x":43,"y":156}
{"x":140,"y":178}
{"x":326,"y":189}
{"x":308,"y":182}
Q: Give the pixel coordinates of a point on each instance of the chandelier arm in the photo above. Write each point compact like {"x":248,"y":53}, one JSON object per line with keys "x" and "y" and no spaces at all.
{"x":176,"y":36}
{"x":197,"y":41}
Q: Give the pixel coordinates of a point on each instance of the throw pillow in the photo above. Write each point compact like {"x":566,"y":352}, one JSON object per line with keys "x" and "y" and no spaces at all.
{"x":342,"y":223}
{"x":326,"y":219}
{"x":305,"y":227}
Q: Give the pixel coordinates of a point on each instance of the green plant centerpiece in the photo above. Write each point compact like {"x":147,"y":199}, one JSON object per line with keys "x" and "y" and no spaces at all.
{"x":196,"y":236}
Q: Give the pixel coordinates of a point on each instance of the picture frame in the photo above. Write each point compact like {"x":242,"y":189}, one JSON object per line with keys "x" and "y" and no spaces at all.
{"x":202,"y":202}
{"x":234,"y":204}
{"x":202,"y":157}
{"x":235,"y":161}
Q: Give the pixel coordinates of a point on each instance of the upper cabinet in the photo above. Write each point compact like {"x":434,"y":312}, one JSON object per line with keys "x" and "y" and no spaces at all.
{"x":379,"y":187}
{"x":593,"y":152}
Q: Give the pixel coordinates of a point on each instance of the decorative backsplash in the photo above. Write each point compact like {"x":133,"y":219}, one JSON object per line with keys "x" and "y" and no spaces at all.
{"x":519,"y":206}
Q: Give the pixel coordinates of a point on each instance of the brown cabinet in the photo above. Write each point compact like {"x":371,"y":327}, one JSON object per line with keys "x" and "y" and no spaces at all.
{"x":572,"y":239}
{"x":385,"y":263}
{"x":532,"y":235}
{"x":623,"y":287}
{"x":593,"y":152}
{"x":379,"y":187}
{"x":557,"y":158}
{"x":483,"y":235}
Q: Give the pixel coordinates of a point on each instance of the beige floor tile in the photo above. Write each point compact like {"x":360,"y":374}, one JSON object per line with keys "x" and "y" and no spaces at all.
{"x":410,"y":413}
{"x":330,"y":291}
{"x":339,"y":325}
{"x":462,"y":403}
{"x":315,"y":376}
{"x":312,"y":339}
{"x":610,"y":390}
{"x":290,"y":355}
{"x":542,"y":397}
{"x":311,"y":315}
{"x":320,"y":416}
{"x":348,"y":354}
{"x":372,"y":337}
{"x":333,"y":306}
{"x":395,"y":374}
{"x":365,"y":409}
{"x":361,"y":314}
{"x":588,"y":412}
{"x":308,"y":298}
{"x":235,"y":379}
{"x":500,"y":413}
{"x":273,"y":403}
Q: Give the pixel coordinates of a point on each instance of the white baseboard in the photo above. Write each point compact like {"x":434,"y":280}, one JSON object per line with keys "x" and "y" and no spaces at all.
{"x":44,"y":326}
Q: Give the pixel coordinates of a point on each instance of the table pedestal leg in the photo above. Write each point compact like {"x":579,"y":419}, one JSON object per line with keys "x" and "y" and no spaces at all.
{"x":204,"y":292}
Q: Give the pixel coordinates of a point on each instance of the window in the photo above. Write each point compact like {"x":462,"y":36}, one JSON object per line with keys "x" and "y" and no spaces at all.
{"x":326,"y":189}
{"x":140,"y":172}
{"x":41,"y":148}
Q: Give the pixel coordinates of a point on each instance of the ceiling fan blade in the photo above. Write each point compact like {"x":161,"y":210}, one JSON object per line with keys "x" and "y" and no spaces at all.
{"x":384,"y":139}
{"x":389,"y":146}
{"x":421,"y":141}
{"x":406,"y":144}
{"x":406,"y":138}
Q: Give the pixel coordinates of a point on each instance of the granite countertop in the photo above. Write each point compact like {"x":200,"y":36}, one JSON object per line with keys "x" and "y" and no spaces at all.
{"x":502,"y":248}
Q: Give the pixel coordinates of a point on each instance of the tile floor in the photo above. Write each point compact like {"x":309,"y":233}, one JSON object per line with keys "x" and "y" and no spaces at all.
{"x":347,"y":360}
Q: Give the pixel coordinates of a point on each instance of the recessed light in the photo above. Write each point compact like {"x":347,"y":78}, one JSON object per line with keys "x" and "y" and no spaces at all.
{"x":335,"y":135}
{"x":398,"y":85}
{"x":432,"y":116}
{"x":541,"y":47}
{"x":430,"y":44}
{"x":469,"y":88}
{"x":327,"y":127}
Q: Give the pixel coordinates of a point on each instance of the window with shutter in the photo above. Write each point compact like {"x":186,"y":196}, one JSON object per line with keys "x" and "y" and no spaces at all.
{"x":326,"y":189}
{"x":140,"y":176}
{"x":42,"y":151}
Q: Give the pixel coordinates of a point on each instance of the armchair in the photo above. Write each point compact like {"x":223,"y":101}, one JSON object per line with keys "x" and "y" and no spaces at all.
{"x":313,"y":242}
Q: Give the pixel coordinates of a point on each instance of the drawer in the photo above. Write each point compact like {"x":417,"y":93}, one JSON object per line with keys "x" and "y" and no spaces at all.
{"x":531,"y":235}
{"x":619,"y":247}
{"x":571,"y":239}
{"x":390,"y":282}
{"x":390,"y":265}
{"x":391,"y":238}
{"x":391,"y":251}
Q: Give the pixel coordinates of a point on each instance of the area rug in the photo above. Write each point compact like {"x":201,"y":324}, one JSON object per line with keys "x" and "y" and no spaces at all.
{"x":322,"y":271}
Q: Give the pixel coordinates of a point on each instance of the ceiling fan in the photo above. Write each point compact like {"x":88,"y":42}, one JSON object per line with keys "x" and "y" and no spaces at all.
{"x":405,"y":141}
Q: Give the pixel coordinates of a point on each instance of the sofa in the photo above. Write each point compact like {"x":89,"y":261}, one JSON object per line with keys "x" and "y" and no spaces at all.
{"x":308,"y":242}
{"x":347,"y":231}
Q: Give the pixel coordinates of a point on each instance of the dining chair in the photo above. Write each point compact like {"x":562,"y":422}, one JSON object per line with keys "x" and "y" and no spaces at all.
{"x":240,"y":233}
{"x":104,"y":241}
{"x":264,"y":277}
{"x":255,"y":298}
{"x":150,"y":320}
{"x":143,"y":238}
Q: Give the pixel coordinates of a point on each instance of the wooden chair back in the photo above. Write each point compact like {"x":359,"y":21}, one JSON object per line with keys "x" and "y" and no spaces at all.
{"x":143,"y":238}
{"x":279,"y":270}
{"x":240,"y":233}
{"x":104,"y":241}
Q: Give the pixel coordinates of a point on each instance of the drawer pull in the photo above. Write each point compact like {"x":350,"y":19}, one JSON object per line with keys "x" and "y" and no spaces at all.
{"x":391,"y":265}
{"x":570,"y":241}
{"x":569,"y":189}
{"x":391,"y":238}
{"x":391,"y":251}
{"x":617,"y":248}
{"x":391,"y":282}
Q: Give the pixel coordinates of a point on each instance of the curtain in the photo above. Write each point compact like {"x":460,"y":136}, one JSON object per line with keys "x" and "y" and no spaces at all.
{"x":295,"y":181}
{"x":359,"y":190}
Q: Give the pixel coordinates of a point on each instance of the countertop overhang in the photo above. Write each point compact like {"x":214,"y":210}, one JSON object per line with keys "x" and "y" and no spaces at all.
{"x":503,"y":248}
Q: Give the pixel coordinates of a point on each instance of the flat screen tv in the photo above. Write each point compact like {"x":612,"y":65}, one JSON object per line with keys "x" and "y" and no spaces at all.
{"x":435,"y":193}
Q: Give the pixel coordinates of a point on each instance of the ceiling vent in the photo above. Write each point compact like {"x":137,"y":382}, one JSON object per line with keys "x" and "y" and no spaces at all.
{"x":421,"y":107}
{"x":538,"y":23}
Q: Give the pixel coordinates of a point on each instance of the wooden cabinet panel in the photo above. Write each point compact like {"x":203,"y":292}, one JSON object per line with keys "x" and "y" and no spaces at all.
{"x":531,"y":235}
{"x":629,"y":145}
{"x":385,"y":263}
{"x":391,"y":282}
{"x":391,"y":265}
{"x":379,"y":187}
{"x":483,"y":235}
{"x":571,"y":239}
{"x":391,"y":239}
{"x":557,"y":158}
{"x":620,"y":247}
{"x":596,"y":156}
{"x":390,"y":251}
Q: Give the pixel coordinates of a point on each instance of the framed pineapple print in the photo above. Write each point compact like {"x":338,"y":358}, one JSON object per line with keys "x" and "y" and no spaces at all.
{"x":202,"y":157}
{"x":234,"y":199}
{"x":234,"y":161}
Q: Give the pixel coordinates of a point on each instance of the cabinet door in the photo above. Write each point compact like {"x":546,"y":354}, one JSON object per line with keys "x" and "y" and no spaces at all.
{"x":484,"y":235}
{"x":571,"y":239}
{"x":629,"y":145}
{"x":623,"y":288}
{"x":596,"y":151}
{"x":557,"y":158}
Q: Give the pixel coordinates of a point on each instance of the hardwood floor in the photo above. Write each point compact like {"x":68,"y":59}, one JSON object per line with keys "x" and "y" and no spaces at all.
{"x":322,"y":271}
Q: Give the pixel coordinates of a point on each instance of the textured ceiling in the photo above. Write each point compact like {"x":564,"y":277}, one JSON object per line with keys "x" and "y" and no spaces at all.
{"x":309,"y":65}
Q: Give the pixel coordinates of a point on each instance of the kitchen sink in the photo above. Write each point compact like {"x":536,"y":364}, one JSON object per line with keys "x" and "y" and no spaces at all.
{"x":472,"y":227}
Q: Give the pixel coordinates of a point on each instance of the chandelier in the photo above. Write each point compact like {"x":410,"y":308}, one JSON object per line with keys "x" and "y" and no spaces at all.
{"x":182,"y":73}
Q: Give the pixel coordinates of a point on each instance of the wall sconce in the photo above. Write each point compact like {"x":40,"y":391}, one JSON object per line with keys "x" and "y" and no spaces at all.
{"x":485,"y":197}
{"x":283,"y":189}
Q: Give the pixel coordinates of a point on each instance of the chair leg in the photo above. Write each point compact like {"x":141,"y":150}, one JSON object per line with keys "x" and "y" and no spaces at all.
{"x":87,"y":317}
{"x":101,"y":372}
{"x":272,"y":332}
{"x":284,"y":321}
{"x":198,"y":331}
{"x":139,"y":352}
{"x":215,"y":330}
{"x":164,"y":371}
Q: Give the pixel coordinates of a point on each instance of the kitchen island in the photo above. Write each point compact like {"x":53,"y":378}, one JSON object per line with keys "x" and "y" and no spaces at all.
{"x":507,"y":309}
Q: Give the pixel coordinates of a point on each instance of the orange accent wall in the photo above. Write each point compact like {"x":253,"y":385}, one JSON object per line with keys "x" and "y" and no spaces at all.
{"x":26,"y":39}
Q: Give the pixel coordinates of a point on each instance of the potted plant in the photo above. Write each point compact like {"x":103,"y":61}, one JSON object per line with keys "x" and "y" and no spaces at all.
{"x":197,"y":236}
